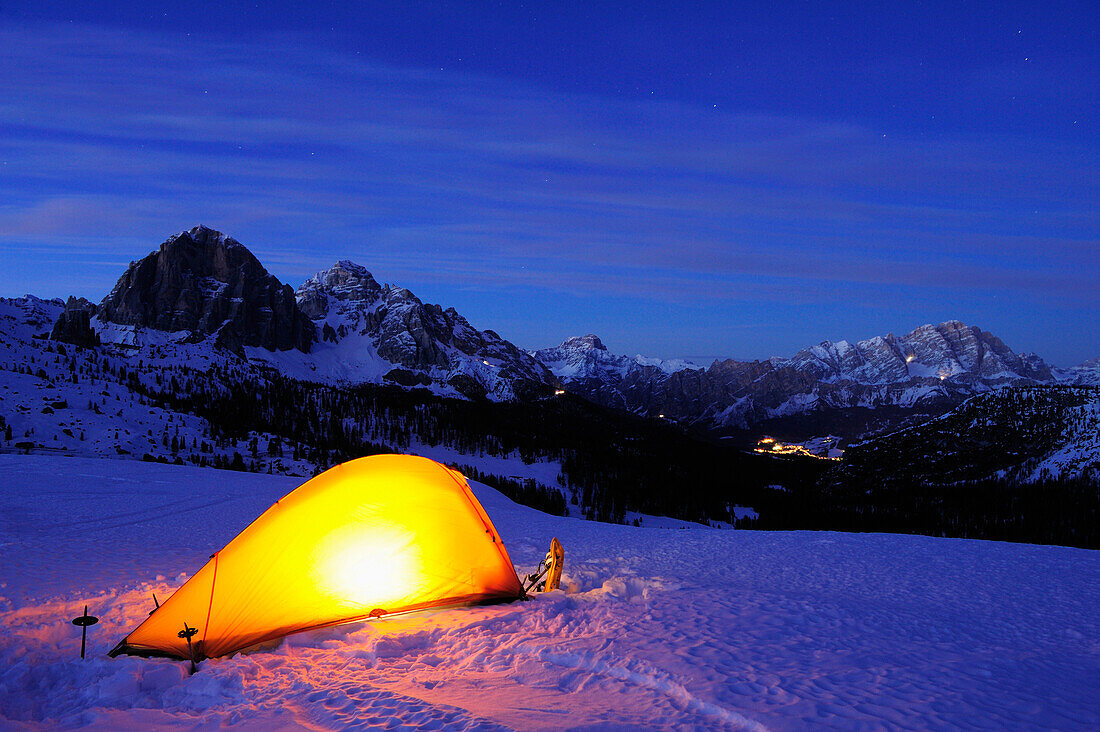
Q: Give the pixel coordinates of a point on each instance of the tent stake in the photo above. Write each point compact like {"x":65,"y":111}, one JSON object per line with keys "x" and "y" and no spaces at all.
{"x":187,"y":633}
{"x":84,"y":621}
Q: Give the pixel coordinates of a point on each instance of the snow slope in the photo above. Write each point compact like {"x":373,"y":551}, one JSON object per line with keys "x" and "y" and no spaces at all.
{"x":58,"y":398}
{"x":657,"y":628}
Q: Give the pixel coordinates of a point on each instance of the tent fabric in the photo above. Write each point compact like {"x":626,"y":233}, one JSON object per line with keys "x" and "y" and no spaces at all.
{"x":378,"y":535}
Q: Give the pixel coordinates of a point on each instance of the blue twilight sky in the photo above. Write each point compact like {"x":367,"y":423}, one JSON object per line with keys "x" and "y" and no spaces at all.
{"x":683,"y":179}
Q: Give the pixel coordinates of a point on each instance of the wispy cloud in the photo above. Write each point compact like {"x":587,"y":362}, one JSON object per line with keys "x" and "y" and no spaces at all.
{"x":113,"y":140}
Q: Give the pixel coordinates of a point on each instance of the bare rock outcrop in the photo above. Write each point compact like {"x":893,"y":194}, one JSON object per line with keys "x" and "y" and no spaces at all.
{"x":74,"y":324}
{"x":207,"y":283}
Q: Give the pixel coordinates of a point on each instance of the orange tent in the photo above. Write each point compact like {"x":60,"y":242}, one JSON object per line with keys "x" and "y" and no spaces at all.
{"x":374,"y":536}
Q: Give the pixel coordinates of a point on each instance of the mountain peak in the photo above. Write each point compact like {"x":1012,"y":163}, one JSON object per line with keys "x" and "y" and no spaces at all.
{"x":406,"y":341}
{"x":349,"y":266}
{"x":345,"y":281}
{"x":588,"y":342}
{"x":205,"y":282}
{"x":203,"y":234}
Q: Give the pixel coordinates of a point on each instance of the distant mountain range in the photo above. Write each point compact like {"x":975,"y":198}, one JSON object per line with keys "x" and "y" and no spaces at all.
{"x":932,"y":368}
{"x":203,"y":288}
{"x":199,"y":356}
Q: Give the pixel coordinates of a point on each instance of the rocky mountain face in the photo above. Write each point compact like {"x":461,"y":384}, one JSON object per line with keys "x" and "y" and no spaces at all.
{"x":203,"y":287}
{"x":342,"y":326}
{"x":74,"y":324}
{"x":208,"y":284}
{"x":950,"y":349}
{"x":1085,"y":373}
{"x":412,"y":342}
{"x":934,"y":366}
{"x":608,"y":379}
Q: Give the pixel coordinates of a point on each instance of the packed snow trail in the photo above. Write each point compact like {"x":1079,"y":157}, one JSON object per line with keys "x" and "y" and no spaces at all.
{"x":656,"y":628}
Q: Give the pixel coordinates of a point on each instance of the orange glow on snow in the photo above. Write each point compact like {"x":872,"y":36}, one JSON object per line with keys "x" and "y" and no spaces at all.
{"x":376,"y":536}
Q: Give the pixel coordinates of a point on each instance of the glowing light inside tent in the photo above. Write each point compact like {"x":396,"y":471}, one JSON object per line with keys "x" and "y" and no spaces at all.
{"x":368,"y":567}
{"x":391,"y":533}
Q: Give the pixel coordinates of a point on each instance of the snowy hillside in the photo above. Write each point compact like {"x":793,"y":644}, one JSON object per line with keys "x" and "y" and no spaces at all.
{"x":200,"y":356}
{"x":656,"y":628}
{"x":1022,"y":433}
{"x":142,"y":397}
{"x":58,"y":397}
{"x":82,"y":401}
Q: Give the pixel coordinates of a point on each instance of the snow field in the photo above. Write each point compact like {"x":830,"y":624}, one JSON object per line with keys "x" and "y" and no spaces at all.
{"x":656,"y":628}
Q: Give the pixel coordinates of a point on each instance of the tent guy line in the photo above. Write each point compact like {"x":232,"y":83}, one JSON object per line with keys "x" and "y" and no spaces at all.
{"x":375,"y":536}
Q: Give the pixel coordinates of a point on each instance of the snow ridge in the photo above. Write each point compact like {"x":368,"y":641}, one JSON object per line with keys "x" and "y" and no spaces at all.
{"x":372,"y":332}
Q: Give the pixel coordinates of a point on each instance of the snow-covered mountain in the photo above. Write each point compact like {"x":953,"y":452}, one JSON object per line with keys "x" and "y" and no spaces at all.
{"x":587,"y":357}
{"x":1085,"y":373}
{"x":384,"y":333}
{"x":603,"y":377}
{"x":203,"y":291}
{"x":934,"y":366}
{"x":950,"y":350}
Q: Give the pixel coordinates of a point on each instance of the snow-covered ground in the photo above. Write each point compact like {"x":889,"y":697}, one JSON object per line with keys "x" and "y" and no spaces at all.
{"x":656,"y":628}
{"x":1079,"y":451}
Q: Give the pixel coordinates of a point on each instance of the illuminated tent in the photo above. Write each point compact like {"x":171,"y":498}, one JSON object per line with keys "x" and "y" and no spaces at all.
{"x":374,"y":536}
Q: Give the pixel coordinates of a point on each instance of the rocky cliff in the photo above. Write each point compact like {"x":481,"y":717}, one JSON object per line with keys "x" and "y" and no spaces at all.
{"x":206,"y":283}
{"x":74,"y":324}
